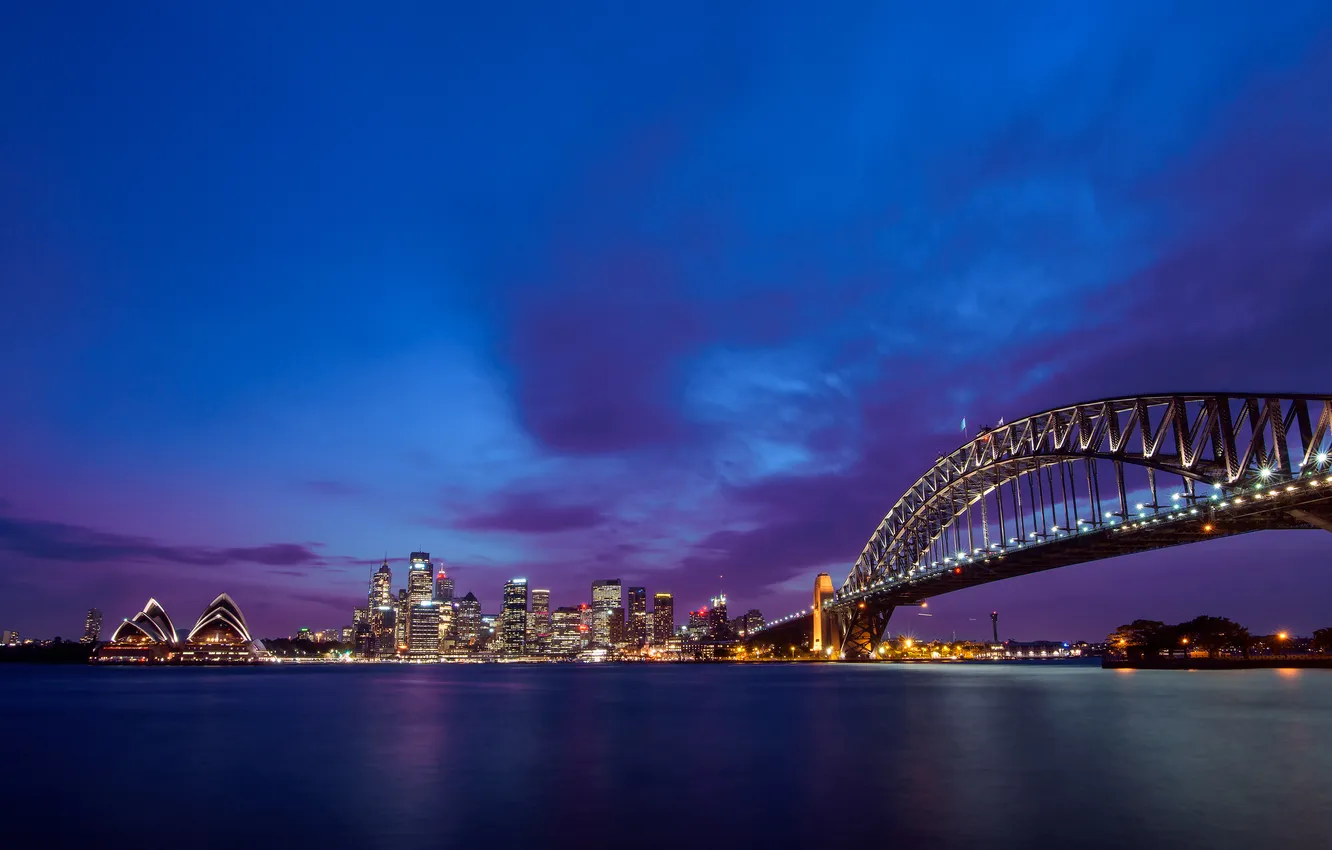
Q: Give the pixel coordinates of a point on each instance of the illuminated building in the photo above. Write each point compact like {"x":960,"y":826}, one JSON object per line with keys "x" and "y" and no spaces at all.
{"x":663,"y":618}
{"x":823,"y":620}
{"x":538,"y":623}
{"x":443,"y":587}
{"x":423,"y":631}
{"x":400,"y":620}
{"x":219,"y":636}
{"x":513,"y":618}
{"x":606,"y":609}
{"x":698,"y":624}
{"x":381,"y":587}
{"x":747,"y":623}
{"x":636,"y":630}
{"x":447,"y":637}
{"x":384,"y":628}
{"x":147,"y":636}
{"x":467,"y":621}
{"x":363,"y":639}
{"x":568,"y":632}
{"x":420,"y":587}
{"x":92,"y":625}
{"x":9,"y":638}
{"x":719,"y":628}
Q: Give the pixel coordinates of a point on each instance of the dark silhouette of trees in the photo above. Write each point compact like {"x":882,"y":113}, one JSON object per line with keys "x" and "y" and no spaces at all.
{"x":1322,"y":639}
{"x":1214,"y":634}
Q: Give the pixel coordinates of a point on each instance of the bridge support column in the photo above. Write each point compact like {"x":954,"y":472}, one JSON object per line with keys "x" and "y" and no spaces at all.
{"x":861,"y":629}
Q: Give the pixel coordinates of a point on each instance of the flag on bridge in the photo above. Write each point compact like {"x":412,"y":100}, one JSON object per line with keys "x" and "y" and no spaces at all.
{"x":964,"y":424}
{"x":1001,"y":422}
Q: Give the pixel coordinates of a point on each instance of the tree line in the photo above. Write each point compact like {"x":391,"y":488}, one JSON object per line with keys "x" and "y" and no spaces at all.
{"x":1215,"y":635}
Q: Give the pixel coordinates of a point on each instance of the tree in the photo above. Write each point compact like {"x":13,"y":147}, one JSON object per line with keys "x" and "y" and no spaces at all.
{"x":1214,"y":634}
{"x":1322,"y":638}
{"x":1141,"y":638}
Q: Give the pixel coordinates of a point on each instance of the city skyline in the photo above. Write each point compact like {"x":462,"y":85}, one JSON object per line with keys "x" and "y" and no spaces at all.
{"x":691,"y":315}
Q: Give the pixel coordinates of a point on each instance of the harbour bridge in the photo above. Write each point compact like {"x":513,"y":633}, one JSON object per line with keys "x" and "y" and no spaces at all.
{"x":1081,"y":483}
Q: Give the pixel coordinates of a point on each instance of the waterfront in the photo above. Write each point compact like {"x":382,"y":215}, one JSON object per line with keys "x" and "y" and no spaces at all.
{"x":671,"y":755}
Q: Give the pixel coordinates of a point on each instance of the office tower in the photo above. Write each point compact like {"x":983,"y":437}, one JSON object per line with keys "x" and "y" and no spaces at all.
{"x":9,"y":638}
{"x":663,"y":618}
{"x":606,"y":606}
{"x":447,"y":634}
{"x":747,"y":623}
{"x":513,"y":618}
{"x":467,"y":621}
{"x":92,"y":625}
{"x":381,"y":586}
{"x":443,"y":587}
{"x":400,"y":620}
{"x":698,"y":624}
{"x":384,"y":627}
{"x":363,"y":640}
{"x":420,"y":587}
{"x":719,"y":628}
{"x":994,"y":623}
{"x":568,"y":633}
{"x":538,"y":623}
{"x":636,"y":631}
{"x":423,"y":631}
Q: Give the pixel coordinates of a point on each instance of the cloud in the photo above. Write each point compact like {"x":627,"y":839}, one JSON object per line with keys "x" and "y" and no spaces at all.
{"x":532,"y":514}
{"x":332,"y":488}
{"x":54,"y":541}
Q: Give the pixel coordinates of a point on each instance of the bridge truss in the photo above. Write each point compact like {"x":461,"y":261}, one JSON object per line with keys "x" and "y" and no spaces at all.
{"x":1090,"y":481}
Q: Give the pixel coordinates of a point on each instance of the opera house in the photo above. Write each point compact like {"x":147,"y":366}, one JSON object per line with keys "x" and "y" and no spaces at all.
{"x":219,"y":636}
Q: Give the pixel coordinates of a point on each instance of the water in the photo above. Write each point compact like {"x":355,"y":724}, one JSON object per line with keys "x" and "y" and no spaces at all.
{"x":498,"y":756}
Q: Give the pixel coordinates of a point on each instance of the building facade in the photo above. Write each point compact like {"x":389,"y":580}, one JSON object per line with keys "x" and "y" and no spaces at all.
{"x":663,"y":618}
{"x":513,"y":618}
{"x":467,"y":621}
{"x":381,"y":587}
{"x":423,"y":632}
{"x":420,"y":579}
{"x":443,"y":587}
{"x":607,"y":607}
{"x":568,"y":632}
{"x":92,"y":626}
{"x":538,"y":623}
{"x":636,"y":629}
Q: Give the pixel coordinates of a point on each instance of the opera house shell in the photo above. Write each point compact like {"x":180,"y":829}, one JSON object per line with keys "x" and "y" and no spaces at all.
{"x":220,"y":636}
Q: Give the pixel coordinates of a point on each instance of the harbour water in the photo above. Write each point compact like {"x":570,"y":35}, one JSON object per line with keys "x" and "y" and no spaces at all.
{"x":494,"y":756}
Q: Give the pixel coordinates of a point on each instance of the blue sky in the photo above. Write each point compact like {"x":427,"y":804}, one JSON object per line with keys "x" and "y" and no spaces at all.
{"x":677,"y":293}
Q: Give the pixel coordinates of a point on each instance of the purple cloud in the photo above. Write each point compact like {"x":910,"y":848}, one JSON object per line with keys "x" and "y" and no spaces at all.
{"x":532,"y":514}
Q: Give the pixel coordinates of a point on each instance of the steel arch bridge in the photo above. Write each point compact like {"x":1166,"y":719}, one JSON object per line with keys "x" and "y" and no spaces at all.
{"x":1085,"y":482}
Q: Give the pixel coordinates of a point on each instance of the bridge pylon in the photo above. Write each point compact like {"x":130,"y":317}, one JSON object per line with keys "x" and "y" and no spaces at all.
{"x":861,"y":628}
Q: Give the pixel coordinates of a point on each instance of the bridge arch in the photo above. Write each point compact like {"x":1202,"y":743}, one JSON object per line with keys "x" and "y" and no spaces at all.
{"x":1087,"y":481}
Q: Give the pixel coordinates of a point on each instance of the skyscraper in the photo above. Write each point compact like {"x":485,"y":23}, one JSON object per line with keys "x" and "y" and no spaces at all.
{"x":381,"y":587}
{"x":663,"y":618}
{"x":443,"y":587}
{"x":719,"y":627}
{"x":384,"y":627}
{"x":467,"y":621}
{"x":538,"y":623}
{"x":513,"y":618}
{"x":637,"y":630}
{"x":419,"y":587}
{"x":423,"y":632}
{"x":568,"y":634}
{"x":606,"y":607}
{"x":400,"y":619}
{"x":92,"y":625}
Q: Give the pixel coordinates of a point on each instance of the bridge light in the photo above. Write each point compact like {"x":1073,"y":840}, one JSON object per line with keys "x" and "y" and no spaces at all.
{"x":1138,"y":506}
{"x":1107,"y":514}
{"x":1175,"y":496}
{"x":1322,"y":457}
{"x":1265,"y":472}
{"x":1206,"y":529}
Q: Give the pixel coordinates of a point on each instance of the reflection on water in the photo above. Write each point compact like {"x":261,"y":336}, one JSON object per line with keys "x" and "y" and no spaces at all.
{"x":680,"y":755}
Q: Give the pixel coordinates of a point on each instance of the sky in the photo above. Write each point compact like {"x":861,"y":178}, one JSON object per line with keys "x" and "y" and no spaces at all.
{"x":682,"y":293}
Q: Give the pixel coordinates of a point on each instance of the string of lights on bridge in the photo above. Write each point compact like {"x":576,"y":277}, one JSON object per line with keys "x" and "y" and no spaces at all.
{"x":1178,"y":511}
